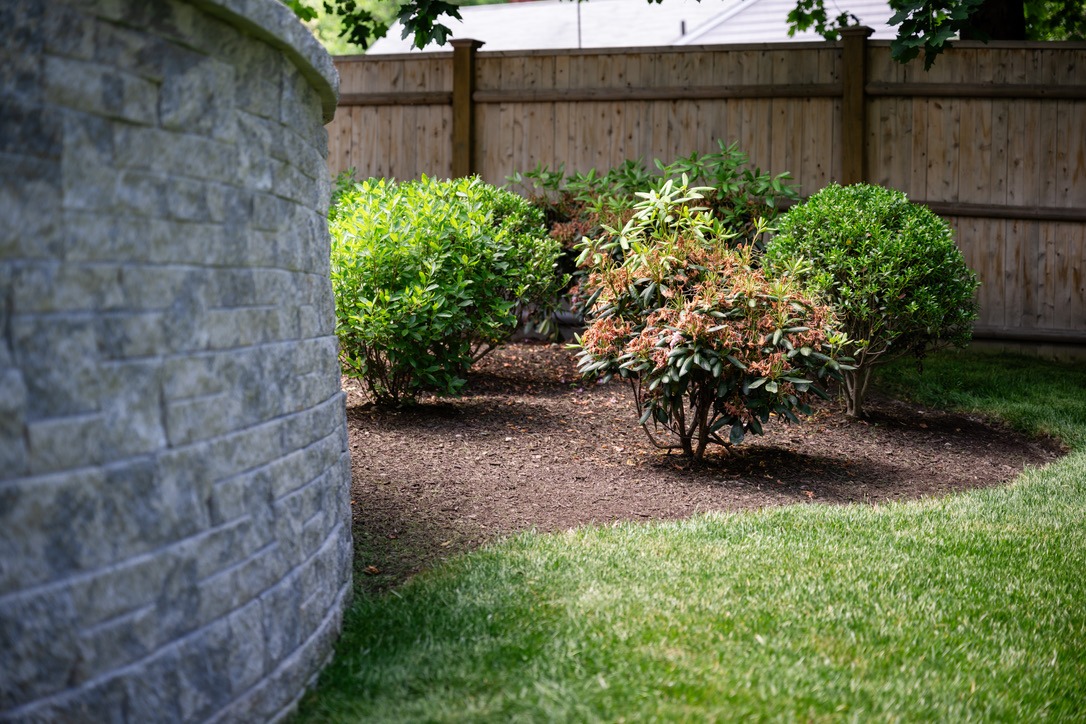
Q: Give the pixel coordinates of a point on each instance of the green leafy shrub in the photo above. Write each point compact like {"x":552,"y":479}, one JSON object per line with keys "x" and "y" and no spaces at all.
{"x":738,"y":193}
{"x":428,"y":276}
{"x":593,"y":205}
{"x":710,"y":344}
{"x":889,"y":267}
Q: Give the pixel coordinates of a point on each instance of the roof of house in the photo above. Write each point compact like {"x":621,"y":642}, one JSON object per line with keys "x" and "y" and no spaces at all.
{"x":555,"y":24}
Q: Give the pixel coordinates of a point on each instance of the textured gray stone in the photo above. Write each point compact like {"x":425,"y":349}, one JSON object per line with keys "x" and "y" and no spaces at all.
{"x":117,"y":591}
{"x":27,"y":233}
{"x":30,"y":130}
{"x":245,"y":657}
{"x":29,"y":508}
{"x":159,"y":151}
{"x":115,"y":644}
{"x":171,"y":424}
{"x":99,"y":89}
{"x":88,"y":178}
{"x":14,"y":459}
{"x":57,"y":390}
{"x":22,"y":42}
{"x":37,"y":647}
{"x":197,"y":97}
{"x":53,"y":286}
{"x":65,"y":443}
{"x":129,"y":335}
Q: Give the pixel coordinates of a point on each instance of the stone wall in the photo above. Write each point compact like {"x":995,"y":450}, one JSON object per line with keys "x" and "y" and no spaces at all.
{"x":174,"y":512}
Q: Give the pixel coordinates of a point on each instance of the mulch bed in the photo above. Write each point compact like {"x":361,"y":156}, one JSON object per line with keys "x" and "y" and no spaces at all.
{"x":529,"y":447}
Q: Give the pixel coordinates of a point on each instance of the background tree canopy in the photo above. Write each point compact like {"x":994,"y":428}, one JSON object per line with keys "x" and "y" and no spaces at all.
{"x":923,"y":25}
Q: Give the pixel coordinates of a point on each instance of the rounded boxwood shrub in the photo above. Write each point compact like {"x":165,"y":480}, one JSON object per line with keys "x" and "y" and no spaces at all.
{"x":428,"y":276}
{"x":890,"y":269}
{"x":711,"y":345}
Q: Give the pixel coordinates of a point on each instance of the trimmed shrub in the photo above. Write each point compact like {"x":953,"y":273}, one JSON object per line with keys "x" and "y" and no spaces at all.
{"x":592,"y":204}
{"x":891,"y":270}
{"x":711,"y":345}
{"x":428,"y":276}
{"x":586,"y":204}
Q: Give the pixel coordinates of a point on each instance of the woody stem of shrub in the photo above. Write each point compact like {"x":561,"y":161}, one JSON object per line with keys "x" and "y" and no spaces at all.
{"x":856,"y":383}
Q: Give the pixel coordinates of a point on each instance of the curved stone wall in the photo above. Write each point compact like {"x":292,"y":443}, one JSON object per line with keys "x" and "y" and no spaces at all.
{"x":174,"y":476}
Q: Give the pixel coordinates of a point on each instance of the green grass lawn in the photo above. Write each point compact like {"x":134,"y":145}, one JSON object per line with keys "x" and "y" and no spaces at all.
{"x":971,"y":607}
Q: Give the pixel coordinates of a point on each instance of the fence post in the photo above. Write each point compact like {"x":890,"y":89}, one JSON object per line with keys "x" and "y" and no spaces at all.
{"x":853,"y":105}
{"x":463,"y":118}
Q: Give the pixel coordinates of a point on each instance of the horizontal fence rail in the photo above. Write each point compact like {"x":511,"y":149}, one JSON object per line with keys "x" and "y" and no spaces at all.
{"x":993,"y":137}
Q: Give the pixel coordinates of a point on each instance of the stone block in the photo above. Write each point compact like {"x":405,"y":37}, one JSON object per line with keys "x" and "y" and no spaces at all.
{"x":272,"y":286}
{"x":102,"y":236}
{"x":205,"y":678}
{"x":197,"y":96}
{"x":300,"y":108}
{"x":27,"y":188}
{"x":132,"y":409}
{"x":184,"y":320}
{"x":247,"y":449}
{"x":201,"y":418}
{"x":174,"y":242}
{"x":130,"y":335}
{"x":154,"y":691}
{"x":23,"y":32}
{"x":229,"y":589}
{"x":114,"y":644}
{"x":294,"y":471}
{"x":37,"y":646}
{"x":301,"y":430}
{"x":228,"y":204}
{"x":104,"y":703}
{"x":197,"y":375}
{"x":242,"y":327}
{"x":290,"y":183}
{"x":117,"y":591}
{"x":64,"y":443}
{"x":32,"y":510}
{"x":254,"y":146}
{"x":87,"y":174}
{"x":142,"y":510}
{"x":237,"y":287}
{"x":270,"y":213}
{"x":58,"y":356}
{"x":144,"y":194}
{"x":282,"y":612}
{"x":14,"y":458}
{"x":174,"y":20}
{"x":165,"y":152}
{"x":28,"y":129}
{"x":246,"y":657}
{"x":257,"y":86}
{"x":70,"y":35}
{"x":55,"y":287}
{"x":100,"y":90}
{"x":177,"y":607}
{"x":191,"y":200}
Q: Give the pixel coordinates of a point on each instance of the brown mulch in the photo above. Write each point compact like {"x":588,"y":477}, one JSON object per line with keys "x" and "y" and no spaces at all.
{"x":529,"y":446}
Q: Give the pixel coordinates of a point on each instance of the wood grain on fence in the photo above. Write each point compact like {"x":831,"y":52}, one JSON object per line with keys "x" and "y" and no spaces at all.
{"x":993,"y":137}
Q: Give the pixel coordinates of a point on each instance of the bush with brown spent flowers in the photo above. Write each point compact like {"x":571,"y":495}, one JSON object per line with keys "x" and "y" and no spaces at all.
{"x":710,"y":344}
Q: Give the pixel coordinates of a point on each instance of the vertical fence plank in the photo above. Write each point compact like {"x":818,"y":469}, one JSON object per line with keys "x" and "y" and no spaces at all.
{"x":562,"y":124}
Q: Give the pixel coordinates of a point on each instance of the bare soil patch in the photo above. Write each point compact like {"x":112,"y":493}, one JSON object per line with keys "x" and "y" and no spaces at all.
{"x":529,"y":447}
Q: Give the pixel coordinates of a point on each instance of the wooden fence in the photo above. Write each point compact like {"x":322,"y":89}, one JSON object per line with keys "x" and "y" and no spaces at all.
{"x":993,"y":137}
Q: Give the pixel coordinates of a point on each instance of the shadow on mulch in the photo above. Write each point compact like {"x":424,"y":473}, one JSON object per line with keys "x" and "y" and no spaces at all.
{"x":529,"y":447}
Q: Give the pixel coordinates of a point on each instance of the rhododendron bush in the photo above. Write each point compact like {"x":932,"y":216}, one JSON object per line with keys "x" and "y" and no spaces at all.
{"x":711,"y":345}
